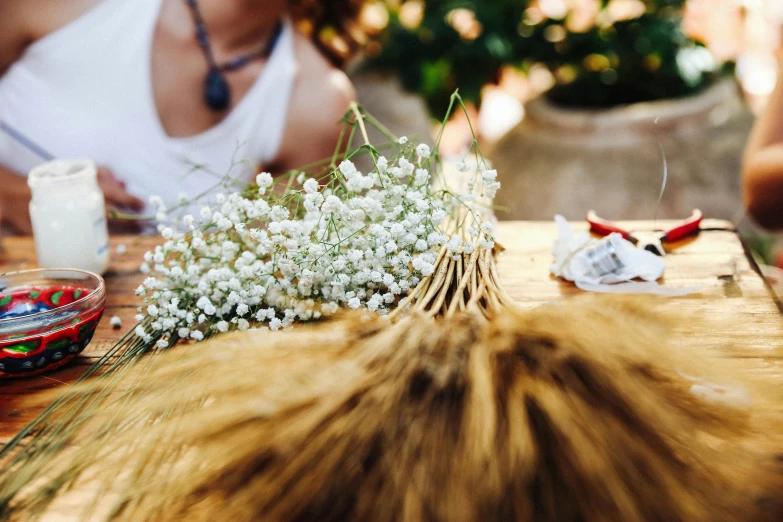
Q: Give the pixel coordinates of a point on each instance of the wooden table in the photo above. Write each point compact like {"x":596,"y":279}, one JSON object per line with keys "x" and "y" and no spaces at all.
{"x":716,"y":261}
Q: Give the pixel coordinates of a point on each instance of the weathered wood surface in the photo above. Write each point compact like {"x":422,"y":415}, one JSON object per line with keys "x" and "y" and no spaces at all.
{"x":732,"y":293}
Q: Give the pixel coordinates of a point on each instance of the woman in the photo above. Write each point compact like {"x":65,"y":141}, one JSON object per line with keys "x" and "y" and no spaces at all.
{"x":763,"y":170}
{"x":151,"y":88}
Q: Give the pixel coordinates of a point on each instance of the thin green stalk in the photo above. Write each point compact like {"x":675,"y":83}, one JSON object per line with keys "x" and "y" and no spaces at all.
{"x":338,"y":148}
{"x":51,"y":431}
{"x":380,"y":127}
{"x":454,"y":96}
{"x":119,"y":346}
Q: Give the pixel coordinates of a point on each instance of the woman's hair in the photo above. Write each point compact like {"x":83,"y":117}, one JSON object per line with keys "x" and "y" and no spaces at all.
{"x":332,"y":24}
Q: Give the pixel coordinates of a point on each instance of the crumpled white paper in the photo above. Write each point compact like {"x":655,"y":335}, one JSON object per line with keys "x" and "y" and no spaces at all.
{"x":608,"y":265}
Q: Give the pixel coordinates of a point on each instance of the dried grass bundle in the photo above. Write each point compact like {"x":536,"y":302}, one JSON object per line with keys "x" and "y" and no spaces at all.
{"x":565,"y":413}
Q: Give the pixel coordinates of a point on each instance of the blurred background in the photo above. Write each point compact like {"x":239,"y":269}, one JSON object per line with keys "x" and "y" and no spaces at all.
{"x":577,"y":102}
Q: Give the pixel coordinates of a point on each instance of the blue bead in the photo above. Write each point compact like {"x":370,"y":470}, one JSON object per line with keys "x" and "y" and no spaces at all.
{"x":217,"y":91}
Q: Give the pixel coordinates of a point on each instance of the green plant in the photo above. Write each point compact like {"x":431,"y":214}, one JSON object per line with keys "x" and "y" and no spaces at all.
{"x":643,"y":58}
{"x":618,"y":56}
{"x":432,"y":57}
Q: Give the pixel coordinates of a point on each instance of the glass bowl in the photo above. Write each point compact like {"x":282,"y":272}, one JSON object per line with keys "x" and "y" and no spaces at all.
{"x":47,"y":317}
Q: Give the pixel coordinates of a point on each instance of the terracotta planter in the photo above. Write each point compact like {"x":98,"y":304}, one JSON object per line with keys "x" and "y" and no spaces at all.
{"x":570,"y":161}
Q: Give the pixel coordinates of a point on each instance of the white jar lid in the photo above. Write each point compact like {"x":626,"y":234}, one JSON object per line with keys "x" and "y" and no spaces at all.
{"x":62,"y":173}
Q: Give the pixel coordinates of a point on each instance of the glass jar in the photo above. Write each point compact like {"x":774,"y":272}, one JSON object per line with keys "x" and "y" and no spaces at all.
{"x":68,"y":214}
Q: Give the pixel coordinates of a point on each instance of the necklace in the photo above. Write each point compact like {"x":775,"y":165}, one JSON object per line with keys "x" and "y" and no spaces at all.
{"x":217,"y":92}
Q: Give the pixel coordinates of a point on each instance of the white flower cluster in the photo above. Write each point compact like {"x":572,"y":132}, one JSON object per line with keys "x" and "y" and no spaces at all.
{"x":260,"y":257}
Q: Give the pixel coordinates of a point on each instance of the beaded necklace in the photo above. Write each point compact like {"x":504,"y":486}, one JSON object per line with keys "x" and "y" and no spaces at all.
{"x":217,"y":92}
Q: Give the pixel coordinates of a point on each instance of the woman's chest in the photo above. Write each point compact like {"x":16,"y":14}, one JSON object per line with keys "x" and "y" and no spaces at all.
{"x":108,"y":117}
{"x":178,"y":78}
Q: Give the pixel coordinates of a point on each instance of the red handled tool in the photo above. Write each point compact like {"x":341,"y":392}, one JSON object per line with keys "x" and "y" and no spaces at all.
{"x":603,"y":227}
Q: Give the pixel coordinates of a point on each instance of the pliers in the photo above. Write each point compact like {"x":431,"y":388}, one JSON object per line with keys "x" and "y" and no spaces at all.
{"x":690,"y":226}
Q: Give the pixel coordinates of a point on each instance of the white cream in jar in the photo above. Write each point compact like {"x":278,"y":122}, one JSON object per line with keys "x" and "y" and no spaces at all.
{"x":68,"y":214}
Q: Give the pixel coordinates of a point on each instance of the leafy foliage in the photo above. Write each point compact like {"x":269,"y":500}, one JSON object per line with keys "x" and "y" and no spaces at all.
{"x":458,"y":43}
{"x":433,"y":59}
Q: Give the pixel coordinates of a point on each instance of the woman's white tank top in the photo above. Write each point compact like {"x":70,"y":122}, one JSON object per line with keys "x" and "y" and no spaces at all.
{"x":85,"y":91}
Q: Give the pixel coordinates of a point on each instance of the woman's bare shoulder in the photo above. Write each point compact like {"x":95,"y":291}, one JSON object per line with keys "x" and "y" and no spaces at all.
{"x":319,"y":84}
{"x":321,"y":96}
{"x":15,"y":32}
{"x":22,"y":22}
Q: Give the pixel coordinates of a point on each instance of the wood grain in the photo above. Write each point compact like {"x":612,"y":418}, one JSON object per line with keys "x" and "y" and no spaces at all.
{"x":732,"y":292}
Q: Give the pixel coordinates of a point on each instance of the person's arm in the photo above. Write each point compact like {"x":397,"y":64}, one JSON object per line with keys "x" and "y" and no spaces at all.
{"x":763,"y":166}
{"x":14,"y":200}
{"x":21,"y":23}
{"x":15,"y":32}
{"x":321,"y":96}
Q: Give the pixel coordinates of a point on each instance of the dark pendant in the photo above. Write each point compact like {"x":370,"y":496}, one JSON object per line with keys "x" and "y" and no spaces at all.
{"x":217,"y":92}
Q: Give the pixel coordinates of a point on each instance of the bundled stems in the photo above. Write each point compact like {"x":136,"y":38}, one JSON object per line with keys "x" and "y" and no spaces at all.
{"x":462,"y":278}
{"x":446,"y":291}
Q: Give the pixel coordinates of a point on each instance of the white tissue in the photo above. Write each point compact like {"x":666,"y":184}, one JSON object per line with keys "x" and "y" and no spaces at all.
{"x":613,"y":270}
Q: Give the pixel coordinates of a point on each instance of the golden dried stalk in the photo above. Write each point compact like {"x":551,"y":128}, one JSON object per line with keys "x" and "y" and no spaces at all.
{"x":460,"y":282}
{"x":573,"y":412}
{"x":446,"y":291}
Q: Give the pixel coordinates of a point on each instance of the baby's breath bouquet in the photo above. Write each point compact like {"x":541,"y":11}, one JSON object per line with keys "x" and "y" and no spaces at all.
{"x":316,"y":240}
{"x":400,"y":236}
